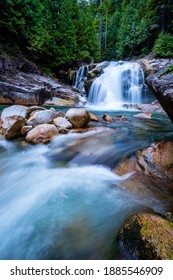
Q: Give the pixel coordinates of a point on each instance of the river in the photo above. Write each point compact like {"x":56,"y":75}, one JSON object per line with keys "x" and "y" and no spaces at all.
{"x":63,"y":200}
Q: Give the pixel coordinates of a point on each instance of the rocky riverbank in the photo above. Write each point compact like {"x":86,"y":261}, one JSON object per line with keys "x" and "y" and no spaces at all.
{"x":21,"y":82}
{"x":159,"y":78}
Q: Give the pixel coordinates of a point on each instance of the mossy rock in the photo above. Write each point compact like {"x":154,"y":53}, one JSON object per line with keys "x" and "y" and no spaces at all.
{"x":146,"y":236}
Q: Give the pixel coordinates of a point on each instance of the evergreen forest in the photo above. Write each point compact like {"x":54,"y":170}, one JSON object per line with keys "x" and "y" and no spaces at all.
{"x":60,"y":33}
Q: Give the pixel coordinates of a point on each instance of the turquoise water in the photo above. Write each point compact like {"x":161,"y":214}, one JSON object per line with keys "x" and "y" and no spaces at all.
{"x":63,"y":201}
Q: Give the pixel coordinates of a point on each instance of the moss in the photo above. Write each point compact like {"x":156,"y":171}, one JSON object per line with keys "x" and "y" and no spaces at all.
{"x":147,"y":236}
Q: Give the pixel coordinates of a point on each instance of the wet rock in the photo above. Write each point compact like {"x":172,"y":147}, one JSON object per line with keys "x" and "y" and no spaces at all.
{"x":152,"y":65}
{"x":94,"y":118}
{"x":15,"y":110}
{"x":108,"y":118}
{"x":146,"y":115}
{"x":42,"y":133}
{"x":154,"y":190}
{"x":123,"y":119}
{"x":160,"y":81}
{"x":157,"y":160}
{"x":12,"y":126}
{"x":63,"y":131}
{"x":78,"y":117}
{"x":153,"y":107}
{"x":147,"y":236}
{"x":126,"y":166}
{"x":62,"y":123}
{"x":25,"y":129}
{"x":40,"y":117}
{"x":2,"y":131}
{"x":34,"y":108}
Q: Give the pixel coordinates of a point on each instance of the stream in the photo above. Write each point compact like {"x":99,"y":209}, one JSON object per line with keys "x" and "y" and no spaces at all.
{"x":63,"y":200}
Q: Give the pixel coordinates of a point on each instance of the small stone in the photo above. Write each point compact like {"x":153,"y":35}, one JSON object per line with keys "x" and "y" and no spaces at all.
{"x":63,"y":131}
{"x":95,"y":118}
{"x":62,"y":122}
{"x":25,"y":129}
{"x":108,"y":118}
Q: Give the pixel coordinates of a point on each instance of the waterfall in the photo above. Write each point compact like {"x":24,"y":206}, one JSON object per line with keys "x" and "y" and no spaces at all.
{"x":81,"y":76}
{"x":121,"y":82}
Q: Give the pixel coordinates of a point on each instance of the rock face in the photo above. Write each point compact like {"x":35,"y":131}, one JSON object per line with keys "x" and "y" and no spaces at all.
{"x":160,"y":81}
{"x":147,"y":237}
{"x":78,"y":117}
{"x":156,"y":161}
{"x":21,"y":82}
{"x":41,"y":134}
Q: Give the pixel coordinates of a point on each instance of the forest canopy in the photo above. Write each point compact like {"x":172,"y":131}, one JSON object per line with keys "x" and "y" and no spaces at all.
{"x":61,"y":32}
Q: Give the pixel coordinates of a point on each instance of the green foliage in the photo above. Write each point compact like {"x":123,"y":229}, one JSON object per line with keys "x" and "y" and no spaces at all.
{"x":169,"y":68}
{"x":58,"y":33}
{"x":163,"y":46}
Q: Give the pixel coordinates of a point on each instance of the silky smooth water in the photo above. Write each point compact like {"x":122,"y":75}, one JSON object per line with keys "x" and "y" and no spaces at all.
{"x":63,"y":201}
{"x":121,"y":82}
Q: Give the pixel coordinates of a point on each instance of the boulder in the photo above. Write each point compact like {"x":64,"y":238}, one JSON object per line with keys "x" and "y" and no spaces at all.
{"x":62,"y":122}
{"x":14,"y":110}
{"x":34,"y":108}
{"x":146,"y":236}
{"x":157,"y":160}
{"x":42,"y":133}
{"x":12,"y":126}
{"x":126,"y":166}
{"x":94,"y":118}
{"x":78,"y":117}
{"x":108,"y":118}
{"x":160,"y":81}
{"x":41,"y":116}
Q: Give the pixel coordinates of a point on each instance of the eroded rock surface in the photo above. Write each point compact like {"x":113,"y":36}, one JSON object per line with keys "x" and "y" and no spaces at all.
{"x":21,"y":82}
{"x":160,"y":81}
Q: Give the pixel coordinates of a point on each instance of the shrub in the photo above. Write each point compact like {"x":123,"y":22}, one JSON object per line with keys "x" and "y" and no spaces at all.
{"x":163,"y":46}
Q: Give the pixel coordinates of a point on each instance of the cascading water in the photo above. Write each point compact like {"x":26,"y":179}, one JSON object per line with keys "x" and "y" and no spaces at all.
{"x":62,"y":201}
{"x":81,"y":76}
{"x":121,"y":82}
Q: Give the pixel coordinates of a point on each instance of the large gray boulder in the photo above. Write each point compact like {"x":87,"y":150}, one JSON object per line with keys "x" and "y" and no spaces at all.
{"x":41,"y":116}
{"x":14,"y":110}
